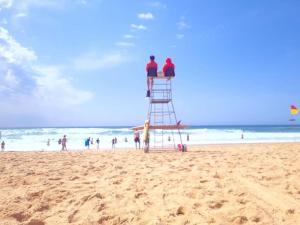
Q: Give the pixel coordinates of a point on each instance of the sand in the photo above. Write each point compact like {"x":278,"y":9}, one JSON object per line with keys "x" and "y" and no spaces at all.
{"x":216,"y":184}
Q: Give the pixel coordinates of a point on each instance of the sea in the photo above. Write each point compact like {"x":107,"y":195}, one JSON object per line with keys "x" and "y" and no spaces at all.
{"x":46,"y":139}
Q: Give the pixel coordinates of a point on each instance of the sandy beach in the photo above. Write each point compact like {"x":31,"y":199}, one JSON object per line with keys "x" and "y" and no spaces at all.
{"x":211,"y":184}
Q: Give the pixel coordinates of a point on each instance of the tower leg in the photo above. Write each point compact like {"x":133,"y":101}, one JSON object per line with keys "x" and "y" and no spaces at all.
{"x":146,"y":147}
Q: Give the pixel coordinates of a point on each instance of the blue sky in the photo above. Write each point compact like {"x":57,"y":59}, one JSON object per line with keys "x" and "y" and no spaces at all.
{"x":82,"y":62}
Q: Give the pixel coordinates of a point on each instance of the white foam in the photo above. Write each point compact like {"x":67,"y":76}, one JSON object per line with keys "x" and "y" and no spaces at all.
{"x":36,"y":138}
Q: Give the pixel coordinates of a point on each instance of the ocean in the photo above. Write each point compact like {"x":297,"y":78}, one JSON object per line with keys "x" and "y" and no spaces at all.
{"x":24,"y":139}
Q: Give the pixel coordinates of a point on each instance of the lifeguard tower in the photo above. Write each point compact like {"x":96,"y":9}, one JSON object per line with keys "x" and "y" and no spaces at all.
{"x":162,"y":128}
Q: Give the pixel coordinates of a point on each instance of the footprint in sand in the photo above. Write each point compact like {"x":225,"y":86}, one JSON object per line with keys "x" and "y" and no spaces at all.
{"x":35,"y":222}
{"x":203,"y":181}
{"x":74,"y":178}
{"x":239,"y":220}
{"x":255,"y":219}
{"x":72,"y":216}
{"x":104,"y":219}
{"x":140,"y":195}
{"x":242,"y":201}
{"x":20,"y":216}
{"x":42,"y":207}
{"x":55,"y":178}
{"x":196,"y":205}
{"x":118,"y":196}
{"x":33,"y":195}
{"x":290,"y":211}
{"x":101,"y":207}
{"x":216,"y":204}
{"x":181,"y":211}
{"x":117,"y":182}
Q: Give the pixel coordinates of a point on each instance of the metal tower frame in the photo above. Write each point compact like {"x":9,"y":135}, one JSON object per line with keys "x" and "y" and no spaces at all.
{"x":164,"y":127}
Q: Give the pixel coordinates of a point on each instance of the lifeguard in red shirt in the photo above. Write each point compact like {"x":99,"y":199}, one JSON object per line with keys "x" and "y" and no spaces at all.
{"x":169,"y":69}
{"x":151,"y":69}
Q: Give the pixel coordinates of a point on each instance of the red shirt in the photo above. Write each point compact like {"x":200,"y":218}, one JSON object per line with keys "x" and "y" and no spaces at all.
{"x":168,"y":64}
{"x":152,"y":65}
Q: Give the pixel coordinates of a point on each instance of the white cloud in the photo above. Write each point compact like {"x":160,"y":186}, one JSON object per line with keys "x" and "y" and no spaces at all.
{"x":20,"y":15}
{"x":54,"y":88}
{"x":92,"y":61}
{"x":36,"y":84}
{"x":24,"y":5}
{"x":157,"y":4}
{"x":138,"y":27}
{"x":181,"y":25}
{"x":12,"y":51}
{"x":21,"y":8}
{"x":180,"y":36}
{"x":146,"y":16}
{"x":9,"y":81}
{"x":5,"y":3}
{"x":125,"y":44}
{"x":128,"y":36}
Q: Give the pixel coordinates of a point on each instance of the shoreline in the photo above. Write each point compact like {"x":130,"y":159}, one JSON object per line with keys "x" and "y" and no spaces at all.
{"x":133,"y":148}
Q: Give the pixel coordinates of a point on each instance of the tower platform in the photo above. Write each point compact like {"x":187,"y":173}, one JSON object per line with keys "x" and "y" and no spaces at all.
{"x":162,"y":127}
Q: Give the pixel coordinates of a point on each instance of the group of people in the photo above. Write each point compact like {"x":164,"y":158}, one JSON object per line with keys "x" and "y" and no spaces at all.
{"x":151,"y":68}
{"x":90,"y":141}
{"x":114,"y":141}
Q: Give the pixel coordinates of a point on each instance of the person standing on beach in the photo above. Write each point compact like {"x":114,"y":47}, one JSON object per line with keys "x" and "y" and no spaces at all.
{"x":188,"y":137}
{"x":136,"y":136}
{"x":2,"y":146}
{"x":87,"y":143}
{"x":97,"y":141}
{"x":113,"y":143}
{"x":151,"y":69}
{"x":64,"y":143}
